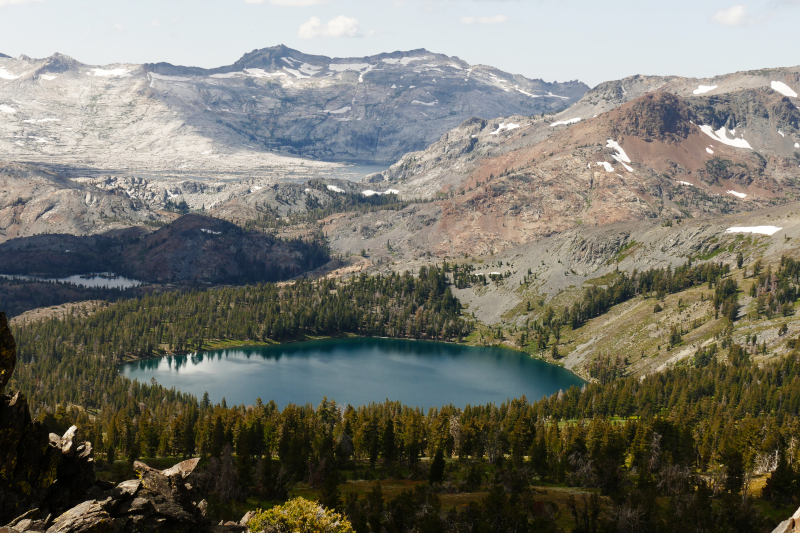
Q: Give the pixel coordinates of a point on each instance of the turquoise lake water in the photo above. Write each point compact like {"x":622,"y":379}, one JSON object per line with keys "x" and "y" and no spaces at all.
{"x":358,"y":371}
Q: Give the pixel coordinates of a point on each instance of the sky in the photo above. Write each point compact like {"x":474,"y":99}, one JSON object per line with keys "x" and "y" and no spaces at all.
{"x":555,"y":40}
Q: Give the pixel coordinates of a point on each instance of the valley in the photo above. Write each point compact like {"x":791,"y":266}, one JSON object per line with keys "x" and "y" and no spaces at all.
{"x":606,"y":278}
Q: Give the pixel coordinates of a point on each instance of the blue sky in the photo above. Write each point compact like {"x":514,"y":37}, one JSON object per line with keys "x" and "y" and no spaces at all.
{"x":590,"y":40}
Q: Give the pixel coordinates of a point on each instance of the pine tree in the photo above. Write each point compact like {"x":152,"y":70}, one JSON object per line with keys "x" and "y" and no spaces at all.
{"x":437,"y":468}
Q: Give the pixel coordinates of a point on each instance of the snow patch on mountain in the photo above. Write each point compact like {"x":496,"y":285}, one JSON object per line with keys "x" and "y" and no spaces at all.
{"x":620,"y":152}
{"x":701,"y":89}
{"x":503,"y":126}
{"x":764,"y":230}
{"x":565,"y":122}
{"x":721,"y":136}
{"x":782,"y":88}
{"x":370,"y":192}
{"x":6,"y":75}
{"x":341,"y":67}
{"x":345,"y":109}
{"x":110,"y":73}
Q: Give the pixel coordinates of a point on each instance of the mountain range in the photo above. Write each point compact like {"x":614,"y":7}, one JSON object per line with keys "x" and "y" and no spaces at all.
{"x":163,"y":117}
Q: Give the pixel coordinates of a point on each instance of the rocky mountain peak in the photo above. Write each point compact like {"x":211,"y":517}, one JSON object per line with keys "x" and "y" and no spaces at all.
{"x":265,"y":58}
{"x":658,"y":116}
{"x":58,"y":63}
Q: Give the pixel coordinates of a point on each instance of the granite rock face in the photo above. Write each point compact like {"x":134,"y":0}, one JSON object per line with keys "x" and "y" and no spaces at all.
{"x":37,"y":469}
{"x":792,"y":525}
{"x":47,"y":481}
{"x":372,"y":108}
{"x":161,"y":501}
{"x":8,"y":352}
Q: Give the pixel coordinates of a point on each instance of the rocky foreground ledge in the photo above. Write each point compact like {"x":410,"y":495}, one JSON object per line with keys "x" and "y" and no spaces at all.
{"x":792,"y":525}
{"x":48,"y":483}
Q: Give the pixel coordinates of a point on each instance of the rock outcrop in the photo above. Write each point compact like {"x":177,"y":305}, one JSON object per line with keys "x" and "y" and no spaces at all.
{"x":160,"y":501}
{"x":48,"y":482}
{"x":792,"y":525}
{"x":8,"y":353}
{"x":37,"y":469}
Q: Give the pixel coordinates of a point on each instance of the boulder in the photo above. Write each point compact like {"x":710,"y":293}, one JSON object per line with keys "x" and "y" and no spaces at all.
{"x":792,"y":525}
{"x":35,"y":470}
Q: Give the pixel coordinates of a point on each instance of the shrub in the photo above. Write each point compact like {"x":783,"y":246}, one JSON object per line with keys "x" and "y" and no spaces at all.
{"x":300,"y":516}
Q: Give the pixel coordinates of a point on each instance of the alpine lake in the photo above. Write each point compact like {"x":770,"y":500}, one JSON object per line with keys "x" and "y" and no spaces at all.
{"x":358,"y":371}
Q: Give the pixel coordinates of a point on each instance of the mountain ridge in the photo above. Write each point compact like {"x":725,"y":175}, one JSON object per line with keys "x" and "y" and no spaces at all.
{"x":271,"y":102}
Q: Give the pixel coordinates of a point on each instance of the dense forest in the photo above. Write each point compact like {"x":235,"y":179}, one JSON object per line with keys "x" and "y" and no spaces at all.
{"x":675,"y":449}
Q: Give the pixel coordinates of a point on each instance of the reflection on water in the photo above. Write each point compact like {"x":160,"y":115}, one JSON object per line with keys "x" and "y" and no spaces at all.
{"x":106,"y":280}
{"x":357,"y":371}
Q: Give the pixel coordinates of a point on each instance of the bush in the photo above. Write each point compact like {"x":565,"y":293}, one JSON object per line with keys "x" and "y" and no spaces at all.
{"x":657,"y":308}
{"x":300,"y":516}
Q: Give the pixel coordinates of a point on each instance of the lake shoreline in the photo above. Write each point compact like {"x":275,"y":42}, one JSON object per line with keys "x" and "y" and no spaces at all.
{"x":356,"y":370}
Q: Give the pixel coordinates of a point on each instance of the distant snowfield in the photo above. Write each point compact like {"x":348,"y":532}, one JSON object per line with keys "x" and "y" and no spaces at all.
{"x":402,"y":61}
{"x":111,"y":73}
{"x":345,"y":109}
{"x":341,"y":67}
{"x":370,"y":192}
{"x":254,"y":72}
{"x":737,"y":194}
{"x":621,"y":155}
{"x":226,"y":75}
{"x":764,"y":230}
{"x":211,"y":232}
{"x":565,"y":122}
{"x":261,"y":73}
{"x":7,"y":109}
{"x":782,"y":88}
{"x":48,"y":77}
{"x":33,"y":121}
{"x":709,"y":150}
{"x":606,"y":165}
{"x":721,"y":136}
{"x":417,"y":102}
{"x":334,"y":188}
{"x":526,"y":93}
{"x":704,"y":89}
{"x":686,"y":183}
{"x":6,"y":75}
{"x":153,"y":77}
{"x":503,"y":126}
{"x":162,"y":77}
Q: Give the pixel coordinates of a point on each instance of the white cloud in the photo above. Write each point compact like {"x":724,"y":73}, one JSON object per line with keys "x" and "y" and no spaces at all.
{"x":340,"y":26}
{"x":286,"y":3}
{"x":154,"y":23}
{"x":733,"y":16}
{"x":4,"y":3}
{"x":120,"y":28}
{"x":496,"y":19}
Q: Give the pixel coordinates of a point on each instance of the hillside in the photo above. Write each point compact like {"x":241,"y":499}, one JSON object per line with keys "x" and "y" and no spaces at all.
{"x":505,"y":182}
{"x":194,"y":248}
